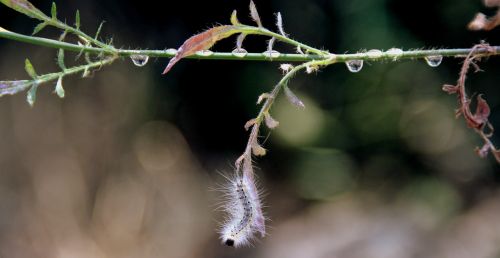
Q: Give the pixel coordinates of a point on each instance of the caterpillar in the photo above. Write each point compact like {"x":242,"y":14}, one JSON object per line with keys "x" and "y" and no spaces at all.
{"x":245,"y":213}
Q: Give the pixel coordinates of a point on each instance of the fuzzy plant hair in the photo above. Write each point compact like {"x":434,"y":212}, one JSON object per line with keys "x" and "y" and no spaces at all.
{"x":243,"y":206}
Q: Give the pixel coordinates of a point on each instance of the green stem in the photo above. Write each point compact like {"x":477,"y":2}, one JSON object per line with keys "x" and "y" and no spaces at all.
{"x":58,"y":24}
{"x":410,"y":54}
{"x":70,"y":71}
{"x":266,"y":107}
{"x":265,"y":32}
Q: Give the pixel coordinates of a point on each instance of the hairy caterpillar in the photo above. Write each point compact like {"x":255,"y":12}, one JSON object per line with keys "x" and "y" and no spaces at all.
{"x":245,"y":213}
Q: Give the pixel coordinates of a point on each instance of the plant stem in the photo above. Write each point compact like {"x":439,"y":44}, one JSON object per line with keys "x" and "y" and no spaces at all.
{"x":70,"y":71}
{"x":58,"y":24}
{"x":266,"y":107}
{"x":410,"y":54}
{"x":265,"y":32}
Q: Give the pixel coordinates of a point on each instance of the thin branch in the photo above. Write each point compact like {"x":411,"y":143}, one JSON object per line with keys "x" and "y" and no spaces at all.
{"x":266,"y":107}
{"x":13,"y":87}
{"x":410,"y":54}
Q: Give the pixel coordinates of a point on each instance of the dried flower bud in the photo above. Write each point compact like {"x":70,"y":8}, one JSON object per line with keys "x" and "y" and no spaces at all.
{"x":262,"y":97}
{"x":250,"y":123}
{"x":286,"y":67}
{"x":293,"y":98}
{"x":311,"y":68}
{"x":481,"y":22}
{"x":491,"y":3}
{"x":279,"y":24}
{"x":258,"y":150}
{"x":484,"y":150}
{"x":254,"y":14}
{"x":478,"y":23}
{"x":270,"y":121}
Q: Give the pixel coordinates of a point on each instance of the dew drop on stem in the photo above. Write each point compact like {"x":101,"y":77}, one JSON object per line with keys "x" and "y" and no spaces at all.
{"x":271,"y":54}
{"x":434,"y":61}
{"x":374,"y":54}
{"x":354,"y":66}
{"x":204,"y":53}
{"x":171,"y":51}
{"x":139,"y":60}
{"x":239,"y":52}
{"x":395,"y":53}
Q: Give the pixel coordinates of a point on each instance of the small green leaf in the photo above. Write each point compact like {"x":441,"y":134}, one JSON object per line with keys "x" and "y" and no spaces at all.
{"x":99,"y":30}
{"x":77,"y":19}
{"x":39,"y":27}
{"x":59,"y":88}
{"x":86,"y":73}
{"x":31,"y":96}
{"x":63,"y":35}
{"x":87,"y":58}
{"x":30,"y":69}
{"x":53,"y":11}
{"x":234,"y":19}
{"x":60,"y":59}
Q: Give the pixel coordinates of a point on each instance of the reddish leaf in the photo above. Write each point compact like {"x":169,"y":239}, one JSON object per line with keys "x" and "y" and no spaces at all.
{"x":481,"y":22}
{"x":450,"y":89}
{"x":483,"y":151}
{"x":262,"y":97}
{"x":482,"y":110}
{"x":202,"y":41}
{"x":491,"y":3}
{"x":480,"y":118}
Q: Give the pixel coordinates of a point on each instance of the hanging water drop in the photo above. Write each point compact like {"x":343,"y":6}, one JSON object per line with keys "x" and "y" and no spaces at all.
{"x":395,"y":53}
{"x":204,"y":53}
{"x":354,"y":66}
{"x":271,"y":54}
{"x":239,"y":52}
{"x":139,"y":60}
{"x":374,"y":54}
{"x":434,"y":61}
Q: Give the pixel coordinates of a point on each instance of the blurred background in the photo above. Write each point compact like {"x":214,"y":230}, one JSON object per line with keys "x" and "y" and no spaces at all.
{"x":375,"y":166}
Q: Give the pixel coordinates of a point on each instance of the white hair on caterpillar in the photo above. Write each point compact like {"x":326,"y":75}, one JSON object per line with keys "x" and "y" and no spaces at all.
{"x":245,"y":217}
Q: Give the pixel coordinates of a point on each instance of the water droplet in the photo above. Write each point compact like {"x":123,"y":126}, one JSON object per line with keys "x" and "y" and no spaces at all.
{"x":395,"y":53}
{"x":272,"y":54}
{"x":354,"y":66}
{"x":171,"y":51}
{"x":204,"y":53}
{"x":374,"y":54}
{"x":434,"y":61}
{"x":139,"y":60}
{"x":239,"y":52}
